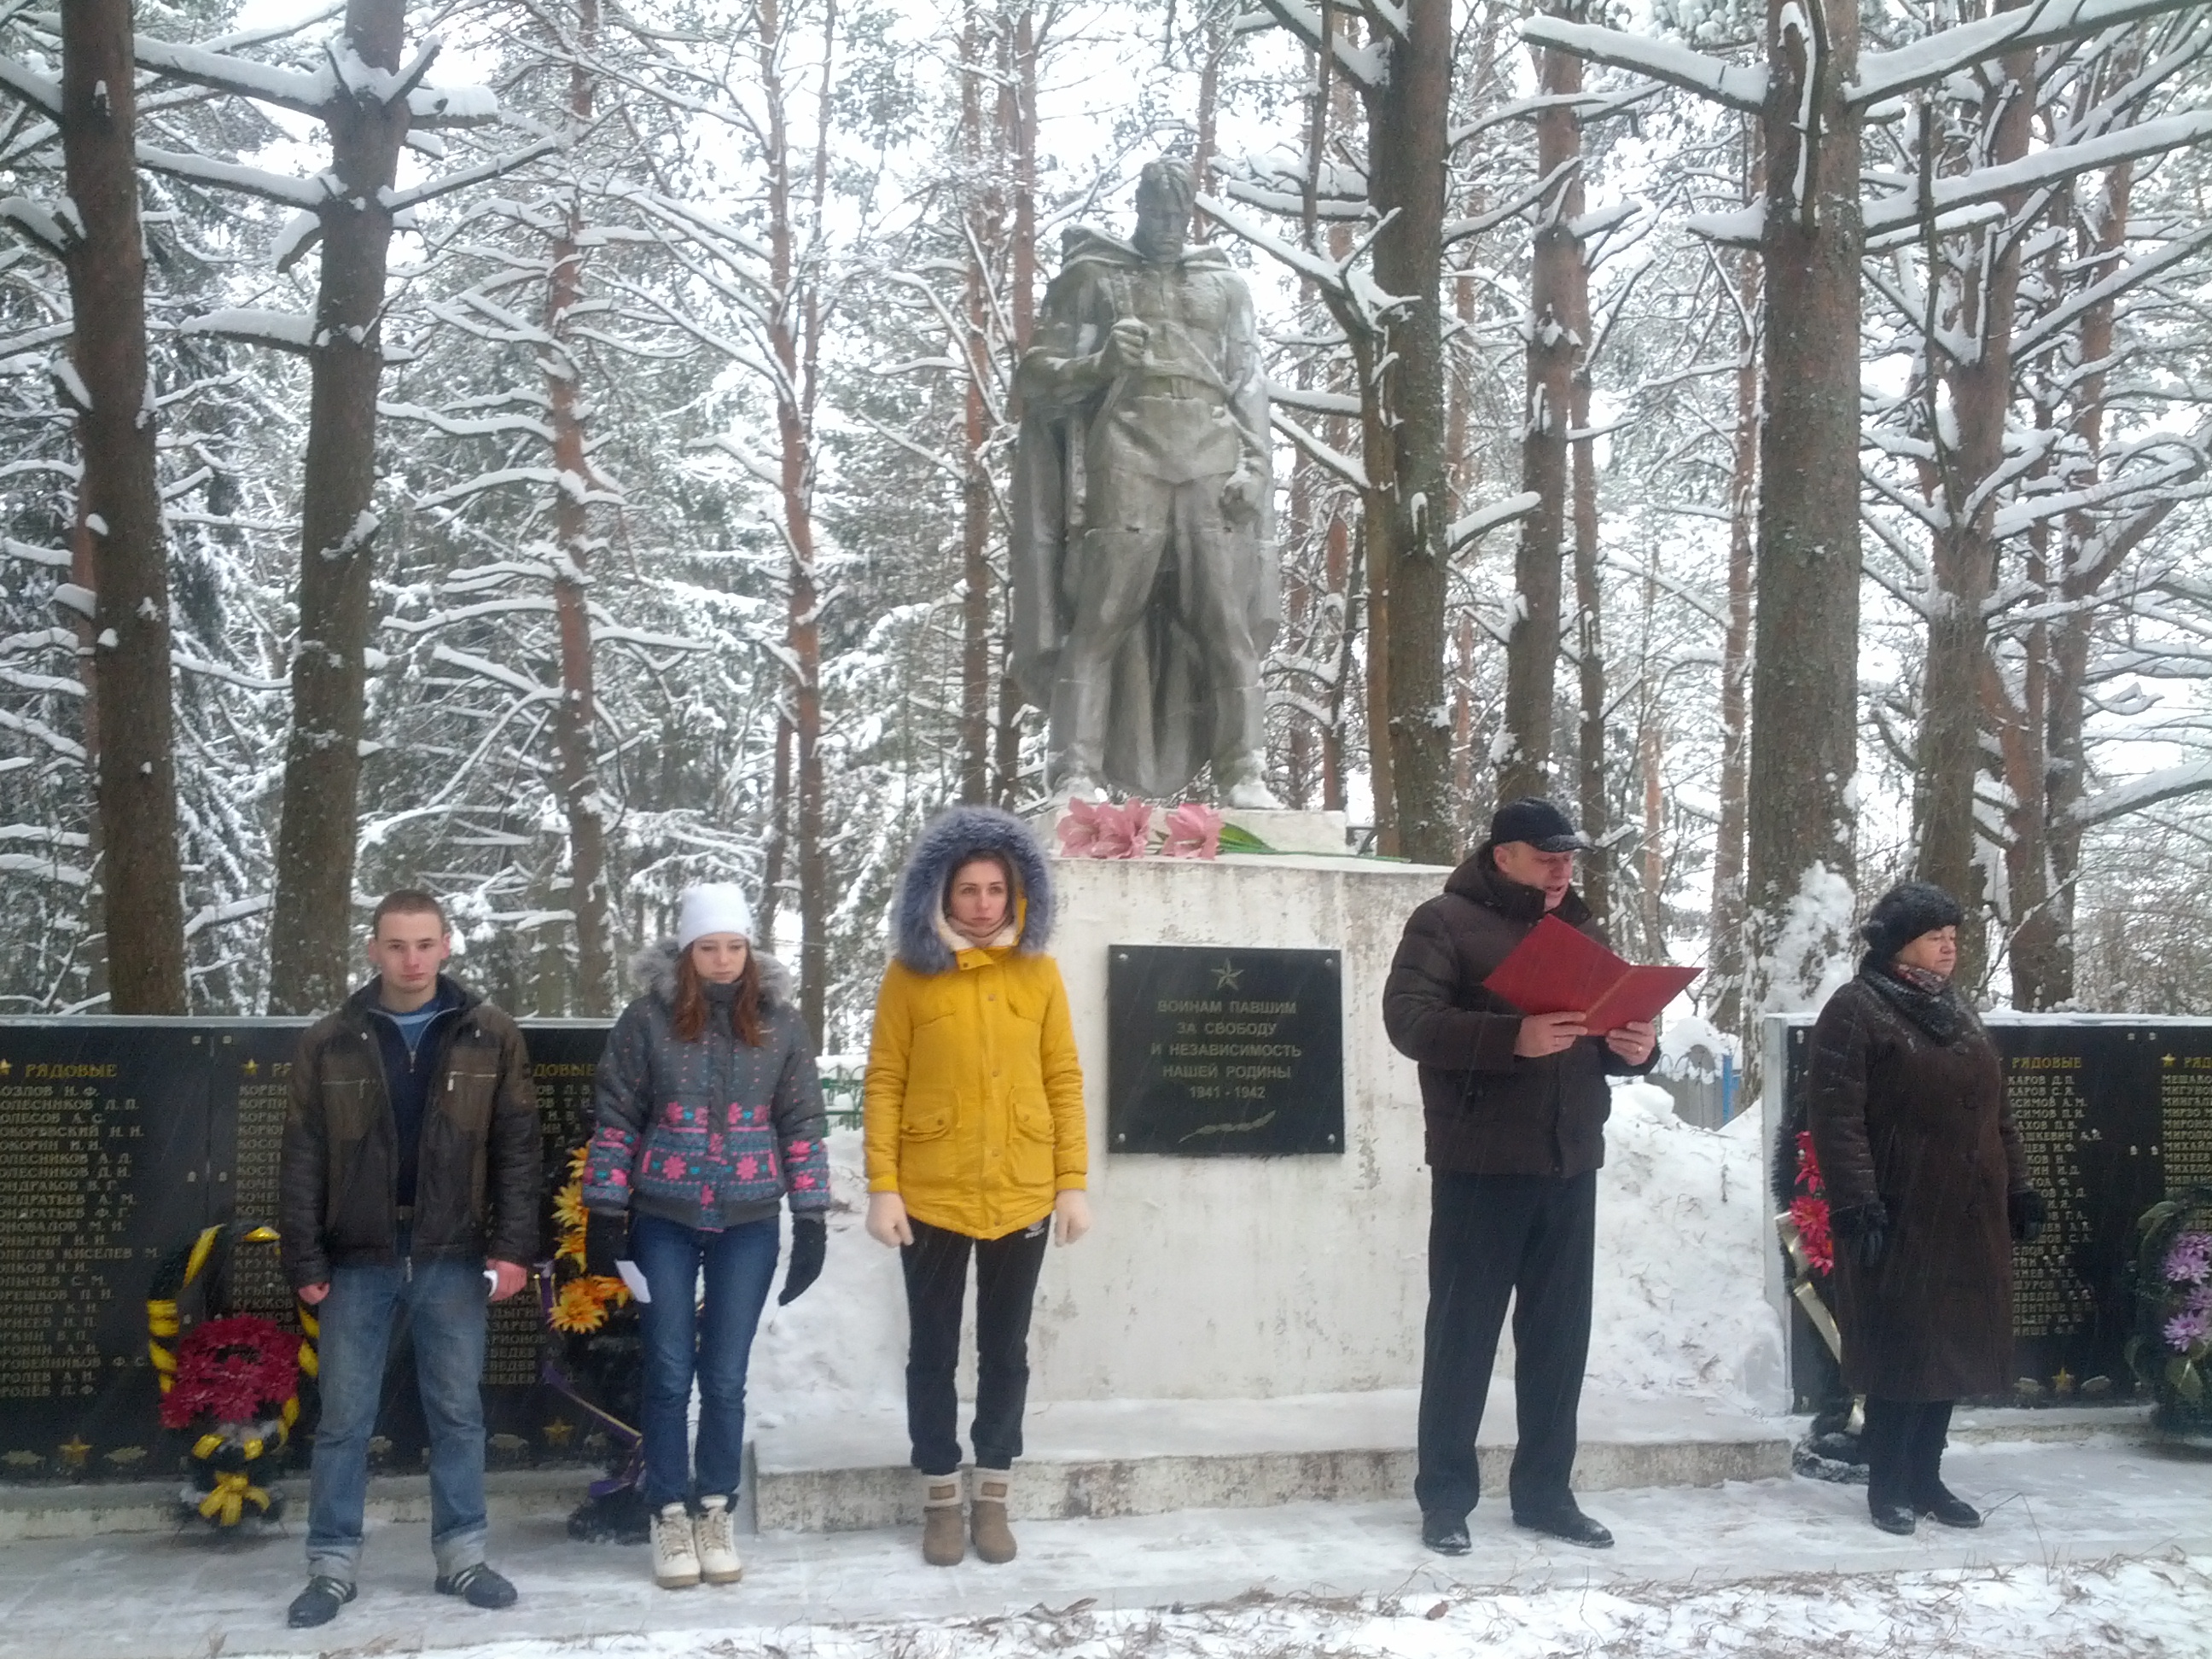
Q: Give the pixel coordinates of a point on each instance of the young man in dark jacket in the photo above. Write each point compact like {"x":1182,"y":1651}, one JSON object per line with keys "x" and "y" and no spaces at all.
{"x":1514,"y":1108}
{"x":409,"y":1185}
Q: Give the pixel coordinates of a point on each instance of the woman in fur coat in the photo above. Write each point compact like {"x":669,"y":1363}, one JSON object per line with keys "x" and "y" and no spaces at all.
{"x":1928,"y":1192}
{"x":710,"y":1116}
{"x":976,"y":1146}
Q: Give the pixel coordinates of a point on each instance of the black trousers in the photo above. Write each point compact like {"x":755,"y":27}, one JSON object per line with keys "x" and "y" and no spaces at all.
{"x":1532,"y":1239}
{"x":1903,"y":1444}
{"x":936,"y":1269}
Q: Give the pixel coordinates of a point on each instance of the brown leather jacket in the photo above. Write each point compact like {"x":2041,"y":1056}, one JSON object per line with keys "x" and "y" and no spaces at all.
{"x":1489,"y":1111}
{"x":476,"y":1194}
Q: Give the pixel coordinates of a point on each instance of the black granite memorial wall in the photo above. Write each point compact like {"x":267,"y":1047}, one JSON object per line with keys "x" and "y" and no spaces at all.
{"x":123,"y":1138}
{"x":2114,"y":1114}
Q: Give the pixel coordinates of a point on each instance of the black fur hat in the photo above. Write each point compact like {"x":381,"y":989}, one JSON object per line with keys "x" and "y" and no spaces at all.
{"x":1904,"y":914}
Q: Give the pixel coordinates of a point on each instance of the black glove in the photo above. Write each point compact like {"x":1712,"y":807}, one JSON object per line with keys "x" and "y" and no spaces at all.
{"x":809,"y":1242}
{"x":607,"y":1241}
{"x":2028,"y":1213}
{"x":1865,"y":1228}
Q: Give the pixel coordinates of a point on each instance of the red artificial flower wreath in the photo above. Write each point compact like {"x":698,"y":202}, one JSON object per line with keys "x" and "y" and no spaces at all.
{"x":229,"y":1369}
{"x":1809,"y":1210}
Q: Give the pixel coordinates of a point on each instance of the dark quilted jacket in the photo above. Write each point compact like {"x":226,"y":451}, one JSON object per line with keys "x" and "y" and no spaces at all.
{"x":1487,"y":1110}
{"x":712,"y":1133}
{"x":476,"y":1192}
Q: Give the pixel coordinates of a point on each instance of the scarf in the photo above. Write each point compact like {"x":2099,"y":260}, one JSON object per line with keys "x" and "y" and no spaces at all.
{"x":1928,"y":1000}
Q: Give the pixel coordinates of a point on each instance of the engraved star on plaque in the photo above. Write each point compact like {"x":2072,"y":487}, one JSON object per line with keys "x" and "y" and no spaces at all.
{"x":1225,"y":977}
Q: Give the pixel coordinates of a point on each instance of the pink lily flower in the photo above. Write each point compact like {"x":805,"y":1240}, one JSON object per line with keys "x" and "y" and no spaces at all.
{"x":1193,"y":831}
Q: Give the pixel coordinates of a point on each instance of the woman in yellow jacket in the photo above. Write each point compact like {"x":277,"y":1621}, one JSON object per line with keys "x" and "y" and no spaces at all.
{"x":976,"y":1146}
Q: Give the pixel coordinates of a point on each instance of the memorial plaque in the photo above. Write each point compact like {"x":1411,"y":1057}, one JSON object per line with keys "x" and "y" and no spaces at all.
{"x":105,"y":1125}
{"x":1225,"y":1052}
{"x":2113,"y":1114}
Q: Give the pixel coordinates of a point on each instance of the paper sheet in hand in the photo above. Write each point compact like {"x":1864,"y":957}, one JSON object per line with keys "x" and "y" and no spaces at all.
{"x":634,"y":1279}
{"x":1557,"y":969}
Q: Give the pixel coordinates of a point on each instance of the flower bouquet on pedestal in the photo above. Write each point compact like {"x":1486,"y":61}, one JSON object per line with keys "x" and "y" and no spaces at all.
{"x":1128,"y":829}
{"x":2173,"y":1339}
{"x":237,"y":1381}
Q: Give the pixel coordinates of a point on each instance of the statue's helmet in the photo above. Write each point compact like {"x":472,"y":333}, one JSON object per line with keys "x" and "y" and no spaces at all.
{"x":1167,"y":183}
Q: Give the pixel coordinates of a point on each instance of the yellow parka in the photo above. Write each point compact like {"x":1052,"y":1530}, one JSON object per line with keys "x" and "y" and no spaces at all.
{"x":974,"y":1099}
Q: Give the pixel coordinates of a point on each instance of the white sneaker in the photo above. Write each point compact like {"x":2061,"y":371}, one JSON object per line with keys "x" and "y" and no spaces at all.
{"x":716,"y":1533}
{"x":675,"y":1548}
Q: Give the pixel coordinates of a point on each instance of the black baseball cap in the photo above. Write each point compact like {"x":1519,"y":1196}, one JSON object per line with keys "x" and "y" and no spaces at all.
{"x":1542,"y":825}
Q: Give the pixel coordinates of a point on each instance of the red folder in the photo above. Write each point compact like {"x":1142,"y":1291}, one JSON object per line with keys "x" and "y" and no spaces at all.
{"x":1557,"y":969}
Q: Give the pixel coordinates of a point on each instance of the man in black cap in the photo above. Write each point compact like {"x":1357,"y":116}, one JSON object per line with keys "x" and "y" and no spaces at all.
{"x":1515,"y":1107}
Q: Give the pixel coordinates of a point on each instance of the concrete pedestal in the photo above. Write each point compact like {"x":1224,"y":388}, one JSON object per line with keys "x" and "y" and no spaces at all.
{"x":1231,"y":1278}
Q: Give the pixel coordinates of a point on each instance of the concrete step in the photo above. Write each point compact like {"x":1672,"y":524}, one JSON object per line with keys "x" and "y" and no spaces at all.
{"x":93,"y":1510}
{"x":1153,"y":1457}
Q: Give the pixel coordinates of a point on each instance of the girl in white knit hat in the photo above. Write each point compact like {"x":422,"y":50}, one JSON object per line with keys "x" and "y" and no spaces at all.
{"x":710,"y":1117}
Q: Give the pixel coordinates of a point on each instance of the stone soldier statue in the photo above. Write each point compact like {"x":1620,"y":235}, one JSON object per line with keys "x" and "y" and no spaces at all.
{"x":1145,"y":584}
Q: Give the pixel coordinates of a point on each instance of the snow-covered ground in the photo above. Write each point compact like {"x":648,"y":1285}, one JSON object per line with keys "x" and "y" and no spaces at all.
{"x":2111,"y":1610}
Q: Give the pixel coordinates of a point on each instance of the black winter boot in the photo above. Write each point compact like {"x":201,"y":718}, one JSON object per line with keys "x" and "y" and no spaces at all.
{"x":1931,"y":1427}
{"x":1888,"y":1440}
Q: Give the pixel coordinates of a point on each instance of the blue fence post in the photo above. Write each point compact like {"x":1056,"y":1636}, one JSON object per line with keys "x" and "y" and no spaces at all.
{"x":1728,"y":1087}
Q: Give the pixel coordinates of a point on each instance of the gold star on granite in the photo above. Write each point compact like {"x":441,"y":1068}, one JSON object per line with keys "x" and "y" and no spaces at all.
{"x":2063,"y":1383}
{"x":74,"y":1451}
{"x":2169,"y":1060}
{"x":559,"y":1432}
{"x":251,"y":1068}
{"x":6,"y":1068}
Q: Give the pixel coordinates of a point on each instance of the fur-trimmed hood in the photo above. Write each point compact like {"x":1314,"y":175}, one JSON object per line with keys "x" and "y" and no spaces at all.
{"x":951,"y":838}
{"x":654,"y":969}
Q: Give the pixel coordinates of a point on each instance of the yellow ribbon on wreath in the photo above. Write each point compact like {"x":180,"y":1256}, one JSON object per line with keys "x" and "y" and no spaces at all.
{"x":232,"y":1493}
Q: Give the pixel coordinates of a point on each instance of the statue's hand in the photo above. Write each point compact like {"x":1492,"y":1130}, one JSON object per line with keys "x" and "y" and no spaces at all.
{"x":1240,"y":496}
{"x":1125,"y":346}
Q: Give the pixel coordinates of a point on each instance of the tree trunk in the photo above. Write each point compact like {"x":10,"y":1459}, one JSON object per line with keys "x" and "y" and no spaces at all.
{"x":975,"y":583}
{"x":1597,"y":880}
{"x":1409,"y":564}
{"x":1804,"y":700}
{"x":1558,"y":327}
{"x":1726,"y":942}
{"x":794,"y":336}
{"x":574,"y":725}
{"x":1963,"y":555}
{"x":119,"y":512}
{"x":311,"y":922}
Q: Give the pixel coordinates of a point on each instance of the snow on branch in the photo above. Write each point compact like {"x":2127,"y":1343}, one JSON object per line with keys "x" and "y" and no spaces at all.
{"x":1886,"y":74}
{"x":1336,"y":460}
{"x":398,"y":201}
{"x":1317,"y":403}
{"x":2145,"y":791}
{"x":310,"y":193}
{"x":1743,"y":227}
{"x":1487,"y":518}
{"x":528,"y":690}
{"x":1735,"y":86}
{"x":2055,"y":324}
{"x":42,"y":93}
{"x":308,"y":94}
{"x":55,"y":229}
{"x":1328,"y":272}
{"x":1363,"y":64}
{"x":2044,"y":167}
{"x":214,"y":915}
{"x":285,"y":330}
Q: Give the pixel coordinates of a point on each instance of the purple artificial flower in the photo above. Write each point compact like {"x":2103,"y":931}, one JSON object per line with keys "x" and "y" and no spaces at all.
{"x":2188,"y":1328}
{"x":2188,"y":1262}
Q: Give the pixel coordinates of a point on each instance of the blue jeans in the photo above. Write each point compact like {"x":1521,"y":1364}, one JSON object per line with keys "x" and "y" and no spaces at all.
{"x":711,"y":1337}
{"x":445,"y":1303}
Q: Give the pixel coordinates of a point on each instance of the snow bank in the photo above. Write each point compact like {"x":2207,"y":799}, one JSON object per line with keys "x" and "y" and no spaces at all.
{"x":1680,"y":1307}
{"x":1682,"y":1227}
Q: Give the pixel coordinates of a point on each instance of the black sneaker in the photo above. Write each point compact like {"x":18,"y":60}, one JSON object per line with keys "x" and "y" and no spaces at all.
{"x":318,"y":1603}
{"x":1444,"y":1532}
{"x":1568,"y":1524}
{"x":479,"y":1586}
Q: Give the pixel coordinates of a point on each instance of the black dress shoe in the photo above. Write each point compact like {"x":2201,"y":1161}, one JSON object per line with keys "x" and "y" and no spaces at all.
{"x":1893,"y":1517}
{"x":479,"y":1586}
{"x":1948,"y":1509}
{"x":1568,"y":1523}
{"x":318,"y":1603}
{"x":1444,"y":1532}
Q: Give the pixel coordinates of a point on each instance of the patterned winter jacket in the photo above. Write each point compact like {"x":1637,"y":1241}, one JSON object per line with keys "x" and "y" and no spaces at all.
{"x":712,"y":1133}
